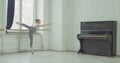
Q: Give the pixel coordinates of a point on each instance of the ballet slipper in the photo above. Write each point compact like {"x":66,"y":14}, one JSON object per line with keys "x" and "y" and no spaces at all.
{"x":17,"y":23}
{"x":32,"y":51}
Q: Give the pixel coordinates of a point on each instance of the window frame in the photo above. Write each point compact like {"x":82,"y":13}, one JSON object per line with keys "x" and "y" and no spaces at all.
{"x":21,"y":11}
{"x":35,"y":15}
{"x":20,"y":14}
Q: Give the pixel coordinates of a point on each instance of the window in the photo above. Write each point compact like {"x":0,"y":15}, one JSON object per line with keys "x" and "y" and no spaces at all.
{"x":26,"y":11}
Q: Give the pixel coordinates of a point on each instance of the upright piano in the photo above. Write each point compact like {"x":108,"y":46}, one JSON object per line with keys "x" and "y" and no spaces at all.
{"x":98,"y":38}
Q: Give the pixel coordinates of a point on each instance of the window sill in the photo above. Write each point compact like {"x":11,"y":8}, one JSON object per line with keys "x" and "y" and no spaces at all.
{"x":23,"y":30}
{"x":16,"y":32}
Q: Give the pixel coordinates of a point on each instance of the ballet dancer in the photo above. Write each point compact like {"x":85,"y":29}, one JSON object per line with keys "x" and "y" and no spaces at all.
{"x":32,"y":30}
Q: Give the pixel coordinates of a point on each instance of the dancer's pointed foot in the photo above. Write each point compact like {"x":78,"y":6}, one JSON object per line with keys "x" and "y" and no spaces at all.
{"x":17,"y":23}
{"x":32,"y":51}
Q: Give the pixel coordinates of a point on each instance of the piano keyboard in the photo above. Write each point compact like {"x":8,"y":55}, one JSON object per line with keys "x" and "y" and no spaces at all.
{"x":93,"y":36}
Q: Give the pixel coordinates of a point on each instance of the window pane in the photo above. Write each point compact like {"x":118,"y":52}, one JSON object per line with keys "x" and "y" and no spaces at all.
{"x":24,"y":12}
{"x":16,"y":15}
{"x":27,"y":12}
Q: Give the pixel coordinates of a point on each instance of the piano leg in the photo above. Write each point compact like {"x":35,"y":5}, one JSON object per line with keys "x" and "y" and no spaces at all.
{"x":81,"y":47}
{"x":80,"y":51}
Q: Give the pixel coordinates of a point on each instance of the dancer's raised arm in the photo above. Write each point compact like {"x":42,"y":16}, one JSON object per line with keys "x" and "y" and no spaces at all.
{"x":44,"y":24}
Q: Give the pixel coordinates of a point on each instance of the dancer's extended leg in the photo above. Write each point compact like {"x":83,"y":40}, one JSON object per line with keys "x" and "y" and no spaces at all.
{"x":26,"y":26}
{"x":23,"y":25}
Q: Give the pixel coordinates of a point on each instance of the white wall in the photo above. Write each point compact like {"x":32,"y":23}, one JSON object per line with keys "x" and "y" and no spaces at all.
{"x":69,"y":31}
{"x":97,"y":10}
{"x":92,"y":10}
{"x":60,"y":34}
{"x":56,"y":25}
{"x":24,"y":42}
{"x":10,"y":43}
{"x":76,"y":11}
{"x":14,"y":42}
{"x":2,"y":20}
{"x":87,"y":10}
{"x":0,"y":44}
{"x":2,"y":12}
{"x":0,"y":24}
{"x":61,"y":15}
{"x":47,"y":17}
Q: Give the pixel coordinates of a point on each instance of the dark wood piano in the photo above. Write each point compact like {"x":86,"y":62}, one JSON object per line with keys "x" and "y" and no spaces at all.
{"x":98,"y":38}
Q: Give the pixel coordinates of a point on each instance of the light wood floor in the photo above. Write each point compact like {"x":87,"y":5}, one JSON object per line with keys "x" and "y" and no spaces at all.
{"x":55,"y":57}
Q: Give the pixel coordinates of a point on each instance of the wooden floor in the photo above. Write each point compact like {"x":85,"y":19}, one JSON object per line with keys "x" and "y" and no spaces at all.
{"x":55,"y":57}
